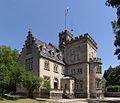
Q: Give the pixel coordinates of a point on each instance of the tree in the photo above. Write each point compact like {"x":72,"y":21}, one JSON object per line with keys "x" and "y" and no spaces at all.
{"x":16,"y":76}
{"x":116,"y":25}
{"x":11,"y":74}
{"x":107,"y":73}
{"x":103,"y":82}
{"x":47,"y":85}
{"x":31,"y":83}
{"x":113,"y":3}
{"x":8,"y":63}
{"x":112,"y":76}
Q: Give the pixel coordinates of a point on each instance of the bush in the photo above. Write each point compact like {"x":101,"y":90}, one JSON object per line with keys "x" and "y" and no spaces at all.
{"x":115,"y":88}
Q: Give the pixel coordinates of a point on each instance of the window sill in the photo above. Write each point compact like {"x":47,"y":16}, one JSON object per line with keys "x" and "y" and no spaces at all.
{"x":55,"y":71}
{"x":47,"y":69}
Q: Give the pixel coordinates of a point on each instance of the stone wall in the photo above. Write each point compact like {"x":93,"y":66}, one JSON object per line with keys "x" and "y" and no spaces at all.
{"x":56,"y":94}
{"x":81,"y":95}
{"x":112,"y":94}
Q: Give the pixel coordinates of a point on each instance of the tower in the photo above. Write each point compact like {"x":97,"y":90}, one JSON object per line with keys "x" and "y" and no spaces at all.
{"x":64,"y":37}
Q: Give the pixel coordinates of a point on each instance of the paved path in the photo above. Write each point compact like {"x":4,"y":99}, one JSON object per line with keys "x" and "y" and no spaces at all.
{"x":72,"y":101}
{"x":65,"y":100}
{"x":105,"y":100}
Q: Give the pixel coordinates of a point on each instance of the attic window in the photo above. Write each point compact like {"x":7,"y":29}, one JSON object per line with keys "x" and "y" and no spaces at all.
{"x":49,"y":52}
{"x":41,"y":47}
{"x":53,"y":54}
{"x":58,"y":55}
{"x":44,"y":50}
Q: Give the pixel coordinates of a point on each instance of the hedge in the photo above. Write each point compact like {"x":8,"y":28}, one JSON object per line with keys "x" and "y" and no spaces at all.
{"x":115,"y":88}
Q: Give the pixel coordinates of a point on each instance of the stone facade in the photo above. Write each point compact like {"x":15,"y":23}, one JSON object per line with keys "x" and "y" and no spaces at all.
{"x":72,"y":68}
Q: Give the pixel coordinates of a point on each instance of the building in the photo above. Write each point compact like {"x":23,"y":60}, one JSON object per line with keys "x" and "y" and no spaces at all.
{"x":73,"y":68}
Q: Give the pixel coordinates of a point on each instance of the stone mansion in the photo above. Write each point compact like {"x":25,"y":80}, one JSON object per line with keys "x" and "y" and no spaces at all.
{"x":73,"y":68}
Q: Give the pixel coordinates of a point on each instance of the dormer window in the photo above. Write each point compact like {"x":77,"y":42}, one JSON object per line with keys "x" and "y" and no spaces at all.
{"x":41,"y":47}
{"x":58,"y":55}
{"x":53,"y":54}
{"x":49,"y":52}
{"x":44,"y":50}
{"x":46,"y":65}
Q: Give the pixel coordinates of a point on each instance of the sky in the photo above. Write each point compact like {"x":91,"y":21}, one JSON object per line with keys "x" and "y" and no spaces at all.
{"x":46,"y":18}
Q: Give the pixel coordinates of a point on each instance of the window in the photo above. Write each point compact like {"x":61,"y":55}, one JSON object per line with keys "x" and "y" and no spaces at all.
{"x":99,"y":70}
{"x":41,"y":47}
{"x":74,"y":71}
{"x":80,"y":70}
{"x":56,"y":68}
{"x":28,"y":49}
{"x":72,"y":57}
{"x":53,"y":54}
{"x":65,"y":86}
{"x":71,"y":71}
{"x":44,"y":50}
{"x":79,"y":84}
{"x":46,"y":78}
{"x":63,"y":70}
{"x":72,"y":86}
{"x":46,"y":65}
{"x":98,"y":85}
{"x":29,"y":64}
{"x":56,"y":83}
{"x":78,"y":56}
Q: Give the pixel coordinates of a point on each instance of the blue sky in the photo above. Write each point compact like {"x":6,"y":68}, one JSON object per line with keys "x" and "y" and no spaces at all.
{"x":45,"y":18}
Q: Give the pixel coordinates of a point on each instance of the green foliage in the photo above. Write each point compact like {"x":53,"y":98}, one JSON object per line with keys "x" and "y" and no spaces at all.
{"x":11,"y":74}
{"x":116,"y":29}
{"x":31,"y":83}
{"x":113,"y":3}
{"x":8,"y":58}
{"x":47,"y":85}
{"x":103,"y":82}
{"x":116,"y":25}
{"x":112,"y":76}
{"x":115,"y":88}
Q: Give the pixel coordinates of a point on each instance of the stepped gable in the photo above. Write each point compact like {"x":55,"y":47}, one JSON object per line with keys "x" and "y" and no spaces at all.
{"x":49,"y":51}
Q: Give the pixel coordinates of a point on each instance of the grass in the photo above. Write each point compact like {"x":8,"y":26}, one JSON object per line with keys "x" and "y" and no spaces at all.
{"x":25,"y":100}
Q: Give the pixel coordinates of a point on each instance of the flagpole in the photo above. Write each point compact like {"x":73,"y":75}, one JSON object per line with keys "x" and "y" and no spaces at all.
{"x":65,"y":19}
{"x":66,"y":13}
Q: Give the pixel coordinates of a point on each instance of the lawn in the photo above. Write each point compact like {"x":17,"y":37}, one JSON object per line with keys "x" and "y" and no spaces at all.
{"x":26,"y":100}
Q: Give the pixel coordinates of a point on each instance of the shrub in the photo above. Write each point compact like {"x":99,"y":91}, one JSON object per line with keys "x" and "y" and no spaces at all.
{"x":115,"y":88}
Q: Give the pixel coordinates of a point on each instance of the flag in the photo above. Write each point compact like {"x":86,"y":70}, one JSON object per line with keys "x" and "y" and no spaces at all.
{"x":66,"y":11}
